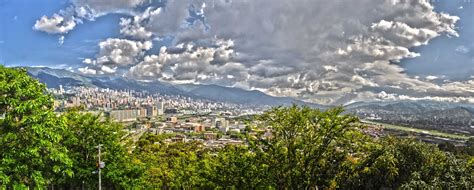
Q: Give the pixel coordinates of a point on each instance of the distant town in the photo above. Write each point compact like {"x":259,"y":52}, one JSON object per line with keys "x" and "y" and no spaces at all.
{"x":184,"y":118}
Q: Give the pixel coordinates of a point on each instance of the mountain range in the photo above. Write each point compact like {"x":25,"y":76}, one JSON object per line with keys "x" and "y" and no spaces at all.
{"x":53,"y":78}
{"x":445,"y":116}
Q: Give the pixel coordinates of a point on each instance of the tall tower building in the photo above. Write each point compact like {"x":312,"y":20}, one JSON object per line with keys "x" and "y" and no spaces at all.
{"x":160,"y":107}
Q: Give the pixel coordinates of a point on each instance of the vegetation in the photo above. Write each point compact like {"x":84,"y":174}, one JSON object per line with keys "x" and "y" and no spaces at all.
{"x":419,"y":131}
{"x":31,"y":152}
{"x":306,"y":148}
{"x":84,"y":134}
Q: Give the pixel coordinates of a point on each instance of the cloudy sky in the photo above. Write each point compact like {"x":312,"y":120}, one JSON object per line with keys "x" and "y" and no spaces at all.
{"x":329,"y":52}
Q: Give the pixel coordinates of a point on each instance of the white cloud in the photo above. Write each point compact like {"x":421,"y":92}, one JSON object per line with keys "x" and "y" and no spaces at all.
{"x":134,"y":30}
{"x":88,"y":61}
{"x":87,"y":71}
{"x":107,"y":69}
{"x":120,"y":52}
{"x":462,"y":49}
{"x":101,"y":7}
{"x":133,"y":27}
{"x":61,"y":40}
{"x":115,"y":53}
{"x":66,"y":19}
{"x":431,"y":77}
{"x":189,"y":63}
{"x":55,"y":25}
{"x":383,"y":96}
{"x":403,"y":35}
{"x":94,"y":69}
{"x":330,"y":68}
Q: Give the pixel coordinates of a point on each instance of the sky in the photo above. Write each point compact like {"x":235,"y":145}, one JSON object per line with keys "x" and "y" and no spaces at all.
{"x":328,"y":52}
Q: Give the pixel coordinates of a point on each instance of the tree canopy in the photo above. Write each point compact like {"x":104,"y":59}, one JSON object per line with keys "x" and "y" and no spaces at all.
{"x":31,"y":152}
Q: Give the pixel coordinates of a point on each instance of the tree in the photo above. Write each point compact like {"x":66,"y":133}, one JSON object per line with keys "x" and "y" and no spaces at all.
{"x":30,"y":132}
{"x":85,"y":132}
{"x":236,"y":167}
{"x":307,"y":147}
{"x":173,"y":165}
{"x":407,"y":163}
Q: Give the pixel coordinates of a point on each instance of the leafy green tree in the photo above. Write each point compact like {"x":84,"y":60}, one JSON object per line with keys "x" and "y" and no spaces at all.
{"x":85,"y":132}
{"x":307,"y":147}
{"x":170,"y":165}
{"x":407,"y":163}
{"x":30,"y":133}
{"x":236,"y":167}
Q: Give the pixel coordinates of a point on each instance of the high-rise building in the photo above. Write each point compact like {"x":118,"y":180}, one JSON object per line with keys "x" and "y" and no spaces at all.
{"x":151,"y":111}
{"x":124,"y":115}
{"x":143,"y":112}
{"x":222,"y":124}
{"x":160,"y":106}
{"x":61,"y":89}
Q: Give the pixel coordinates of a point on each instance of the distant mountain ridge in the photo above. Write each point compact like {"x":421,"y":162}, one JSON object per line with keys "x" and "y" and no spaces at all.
{"x":55,"y":77}
{"x":448,"y":117}
{"x":221,"y":93}
{"x":405,"y":106}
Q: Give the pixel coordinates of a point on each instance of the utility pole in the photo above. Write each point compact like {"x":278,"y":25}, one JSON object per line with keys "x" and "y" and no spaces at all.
{"x":99,"y":166}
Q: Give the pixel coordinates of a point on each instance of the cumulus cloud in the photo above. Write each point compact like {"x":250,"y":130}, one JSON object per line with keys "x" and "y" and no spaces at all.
{"x":115,"y":53}
{"x":107,"y":69}
{"x":404,"y":35}
{"x":291,"y":51}
{"x":66,"y":19}
{"x":187,"y":62}
{"x":94,"y":69}
{"x":316,"y":50}
{"x":300,"y":48}
{"x":56,"y":24}
{"x":120,"y":52}
{"x":87,"y":71}
{"x":134,"y":27}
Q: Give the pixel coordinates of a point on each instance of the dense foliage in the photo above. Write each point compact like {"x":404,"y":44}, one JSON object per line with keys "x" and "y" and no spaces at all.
{"x":291,"y":147}
{"x":31,"y":152}
{"x":84,"y":134}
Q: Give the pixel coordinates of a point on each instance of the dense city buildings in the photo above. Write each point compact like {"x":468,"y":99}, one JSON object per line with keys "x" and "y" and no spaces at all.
{"x":150,"y":105}
{"x":186,"y":119}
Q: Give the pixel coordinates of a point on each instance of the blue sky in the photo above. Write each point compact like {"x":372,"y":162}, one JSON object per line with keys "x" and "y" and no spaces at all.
{"x":23,"y":46}
{"x":324,"y":54}
{"x":442,"y":56}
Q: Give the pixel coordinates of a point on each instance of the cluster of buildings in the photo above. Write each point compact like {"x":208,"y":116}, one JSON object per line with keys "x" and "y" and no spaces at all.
{"x":188,"y":119}
{"x":199,"y":124}
{"x":213,"y":131}
{"x":146,"y":111}
{"x":127,"y":105}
